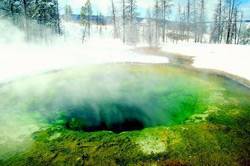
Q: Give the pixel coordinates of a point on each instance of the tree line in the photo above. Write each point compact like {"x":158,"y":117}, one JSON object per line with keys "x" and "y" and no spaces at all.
{"x":39,"y":19}
{"x":227,"y":24}
{"x":191,"y":22}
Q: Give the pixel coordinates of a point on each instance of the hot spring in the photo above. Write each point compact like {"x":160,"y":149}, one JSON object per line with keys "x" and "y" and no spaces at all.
{"x":116,"y":97}
{"x":123,"y":114}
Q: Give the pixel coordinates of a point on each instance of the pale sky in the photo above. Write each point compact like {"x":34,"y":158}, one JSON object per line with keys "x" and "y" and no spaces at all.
{"x":104,"y":6}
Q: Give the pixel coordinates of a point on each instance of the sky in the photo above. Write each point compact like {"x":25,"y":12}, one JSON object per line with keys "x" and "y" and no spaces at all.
{"x":103,"y":6}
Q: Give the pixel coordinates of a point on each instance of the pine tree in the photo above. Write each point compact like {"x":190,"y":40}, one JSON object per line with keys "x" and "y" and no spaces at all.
{"x":83,"y":22}
{"x":86,"y":15}
{"x":32,"y":16}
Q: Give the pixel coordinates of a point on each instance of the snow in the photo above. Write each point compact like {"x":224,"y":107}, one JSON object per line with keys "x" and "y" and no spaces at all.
{"x":233,"y":59}
{"x":50,"y":4}
{"x":18,"y":59}
{"x":17,"y":3}
{"x":21,"y":59}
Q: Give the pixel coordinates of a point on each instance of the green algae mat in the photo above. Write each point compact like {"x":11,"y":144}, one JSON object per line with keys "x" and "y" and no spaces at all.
{"x":124,"y":114}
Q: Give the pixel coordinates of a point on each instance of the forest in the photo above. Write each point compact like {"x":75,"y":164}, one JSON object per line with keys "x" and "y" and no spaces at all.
{"x":39,"y":19}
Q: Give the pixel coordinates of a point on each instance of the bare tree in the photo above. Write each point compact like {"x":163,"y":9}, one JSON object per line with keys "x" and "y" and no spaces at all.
{"x":166,"y":9}
{"x":68,"y":13}
{"x":239,"y":32}
{"x":149,"y":28}
{"x":101,"y":22}
{"x":124,"y":20}
{"x":230,"y":4}
{"x":114,"y":19}
{"x":202,"y":24}
{"x":188,"y":19}
{"x":180,"y":20}
{"x":194,"y":7}
{"x":219,"y":24}
{"x":217,"y":27}
{"x":132,"y":15}
{"x":234,"y":33}
{"x":157,"y":21}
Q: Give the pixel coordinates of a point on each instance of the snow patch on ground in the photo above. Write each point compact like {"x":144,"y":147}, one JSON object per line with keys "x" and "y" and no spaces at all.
{"x":234,"y":59}
{"x":21,"y":59}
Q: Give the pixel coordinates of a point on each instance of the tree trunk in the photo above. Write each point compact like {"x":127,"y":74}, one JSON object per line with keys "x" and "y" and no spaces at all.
{"x":238,"y":41}
{"x":114,"y":20}
{"x":235,"y":26}
{"x":202,"y":21}
{"x":188,"y":20}
{"x":231,"y":9}
{"x":164,"y":21}
{"x":124,"y":19}
{"x":26,"y":20}
{"x":12,"y":12}
{"x":58,"y":18}
{"x":195,"y":22}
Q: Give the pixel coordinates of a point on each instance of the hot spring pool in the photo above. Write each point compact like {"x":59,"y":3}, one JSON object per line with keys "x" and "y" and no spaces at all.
{"x":139,"y":99}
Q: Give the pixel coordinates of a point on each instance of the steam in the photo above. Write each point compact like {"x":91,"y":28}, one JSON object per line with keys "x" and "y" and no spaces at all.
{"x":34,"y":102}
{"x":9,"y":34}
{"x":17,"y":58}
{"x":107,"y":94}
